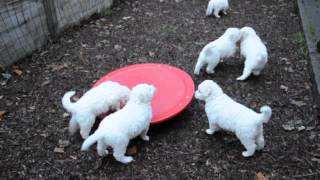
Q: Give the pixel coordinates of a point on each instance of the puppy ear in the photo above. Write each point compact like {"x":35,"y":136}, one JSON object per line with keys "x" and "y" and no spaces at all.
{"x":207,"y":91}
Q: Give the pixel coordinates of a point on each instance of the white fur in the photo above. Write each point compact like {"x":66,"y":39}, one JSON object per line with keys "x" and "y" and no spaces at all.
{"x":108,"y":95}
{"x":254,"y":51}
{"x":224,"y":113}
{"x":118,"y":128}
{"x":215,"y":6}
{"x":225,"y":46}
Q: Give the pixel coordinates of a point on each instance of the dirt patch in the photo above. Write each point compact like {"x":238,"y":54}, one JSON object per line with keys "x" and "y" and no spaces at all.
{"x":34,"y":142}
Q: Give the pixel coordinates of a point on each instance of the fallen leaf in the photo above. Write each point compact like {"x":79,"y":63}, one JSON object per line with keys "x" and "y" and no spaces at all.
{"x":297,"y":103}
{"x":283,"y":87}
{"x":132,"y":150}
{"x":64,"y":143}
{"x":301,"y":128}
{"x":43,"y":53}
{"x":58,"y":150}
{"x":117,"y":47}
{"x":2,"y":113}
{"x":65,"y":115}
{"x":45,"y":83}
{"x":18,"y":72}
{"x":6,"y":75}
{"x":44,"y":135}
{"x":288,"y":127}
{"x":315,"y":159}
{"x":260,"y":176}
{"x":73,"y":157}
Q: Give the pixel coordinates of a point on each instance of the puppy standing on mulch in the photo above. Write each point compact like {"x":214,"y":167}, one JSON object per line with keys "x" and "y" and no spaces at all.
{"x":216,"y":6}
{"x":224,"y":113}
{"x":118,"y":128}
{"x":108,"y":95}
{"x":255,"y":52}
{"x":225,"y":46}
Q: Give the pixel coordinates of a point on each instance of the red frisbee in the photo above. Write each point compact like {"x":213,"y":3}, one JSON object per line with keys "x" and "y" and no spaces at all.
{"x":175,"y":88}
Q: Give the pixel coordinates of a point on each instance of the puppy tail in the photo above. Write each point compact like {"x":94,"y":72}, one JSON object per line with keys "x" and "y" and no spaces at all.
{"x":90,"y":141}
{"x":210,"y":8}
{"x":266,"y":113}
{"x":66,"y":102}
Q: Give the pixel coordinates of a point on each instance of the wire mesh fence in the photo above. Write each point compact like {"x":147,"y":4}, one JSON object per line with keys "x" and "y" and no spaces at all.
{"x":25,"y":25}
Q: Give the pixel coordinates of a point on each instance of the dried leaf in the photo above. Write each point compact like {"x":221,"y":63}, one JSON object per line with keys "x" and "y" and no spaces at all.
{"x":58,"y":150}
{"x":283,"y":87}
{"x":260,"y":176}
{"x":2,"y":113}
{"x":64,"y":143}
{"x":73,"y":157}
{"x":298,"y":103}
{"x":288,"y":127}
{"x":65,"y":115}
{"x":301,"y":128}
{"x":18,"y":72}
{"x":6,"y":75}
{"x":132,"y":150}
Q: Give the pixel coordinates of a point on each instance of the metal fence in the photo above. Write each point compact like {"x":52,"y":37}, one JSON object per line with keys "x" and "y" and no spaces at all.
{"x":25,"y":25}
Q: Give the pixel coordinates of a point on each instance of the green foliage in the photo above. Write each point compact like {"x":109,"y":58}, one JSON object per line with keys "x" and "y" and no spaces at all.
{"x":105,"y":12}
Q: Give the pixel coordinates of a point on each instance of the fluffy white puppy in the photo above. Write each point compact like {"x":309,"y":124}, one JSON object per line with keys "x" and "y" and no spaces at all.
{"x":224,"y":113}
{"x":225,"y":46}
{"x":108,"y":95}
{"x":118,"y":128}
{"x":254,"y":52}
{"x":216,"y":6}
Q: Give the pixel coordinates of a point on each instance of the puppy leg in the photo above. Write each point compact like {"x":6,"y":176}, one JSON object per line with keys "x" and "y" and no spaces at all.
{"x":246,"y":73}
{"x":216,"y":13}
{"x":199,"y":65}
{"x":212,"y":128}
{"x":260,"y":140}
{"x":85,"y":127}
{"x":102,"y":148}
{"x":225,"y":11}
{"x":250,"y":146}
{"x":73,"y":126}
{"x":256,"y":72}
{"x":212,"y":64}
{"x":144,"y":135}
{"x":210,"y":68}
{"x":120,"y":150}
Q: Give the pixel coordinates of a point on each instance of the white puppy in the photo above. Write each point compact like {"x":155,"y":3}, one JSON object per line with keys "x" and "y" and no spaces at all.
{"x":118,"y":128}
{"x":254,"y":51}
{"x":215,"y":6}
{"x":225,"y":46}
{"x":224,"y":113}
{"x":108,"y":95}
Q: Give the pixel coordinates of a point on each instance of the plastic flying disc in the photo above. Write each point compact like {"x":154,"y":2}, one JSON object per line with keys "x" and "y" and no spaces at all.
{"x":175,"y":88}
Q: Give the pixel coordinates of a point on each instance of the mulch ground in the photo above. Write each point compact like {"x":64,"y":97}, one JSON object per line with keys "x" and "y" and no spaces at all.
{"x":34,"y":141}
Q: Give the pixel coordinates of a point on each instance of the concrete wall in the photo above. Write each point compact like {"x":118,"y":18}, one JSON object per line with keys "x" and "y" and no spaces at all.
{"x":26,"y":25}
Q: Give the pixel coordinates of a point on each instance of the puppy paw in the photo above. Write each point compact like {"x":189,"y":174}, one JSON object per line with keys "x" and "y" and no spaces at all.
{"x":209,"y":131}
{"x":103,"y":153}
{"x":126,"y":159}
{"x":247,"y":154}
{"x":210,"y":71}
{"x":240,"y":78}
{"x":145,"y":138}
{"x":256,"y":73}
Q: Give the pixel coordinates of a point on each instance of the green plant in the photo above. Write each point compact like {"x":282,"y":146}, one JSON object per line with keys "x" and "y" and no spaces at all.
{"x":298,"y":38}
{"x":105,"y":12}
